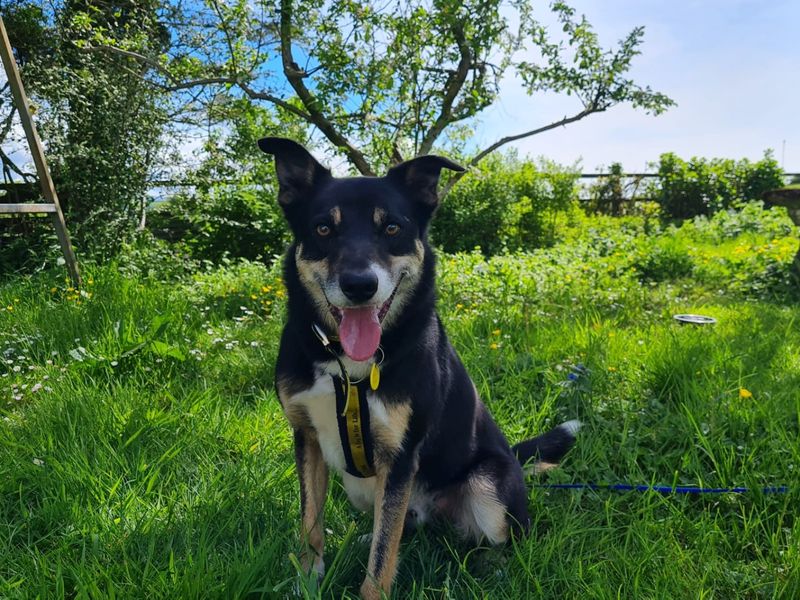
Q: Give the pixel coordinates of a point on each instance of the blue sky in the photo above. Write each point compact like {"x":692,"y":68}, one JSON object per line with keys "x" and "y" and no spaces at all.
{"x":732,"y":66}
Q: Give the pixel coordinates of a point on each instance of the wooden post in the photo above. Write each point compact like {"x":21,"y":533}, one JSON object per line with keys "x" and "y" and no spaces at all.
{"x":35,"y":144}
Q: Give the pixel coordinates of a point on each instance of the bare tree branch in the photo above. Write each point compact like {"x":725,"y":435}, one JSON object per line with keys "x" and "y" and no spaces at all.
{"x":295,"y":77}
{"x":274,"y":100}
{"x":178,"y":85}
{"x":513,"y":138}
{"x":455,"y":82}
{"x":9,"y":165}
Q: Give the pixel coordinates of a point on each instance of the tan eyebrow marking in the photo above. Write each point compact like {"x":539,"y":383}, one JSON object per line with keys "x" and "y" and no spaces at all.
{"x":379,"y":216}
{"x":336,"y":215}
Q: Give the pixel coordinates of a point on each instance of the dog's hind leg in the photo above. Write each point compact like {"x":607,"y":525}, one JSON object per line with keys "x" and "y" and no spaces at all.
{"x":313,"y":475}
{"x":491,"y":504}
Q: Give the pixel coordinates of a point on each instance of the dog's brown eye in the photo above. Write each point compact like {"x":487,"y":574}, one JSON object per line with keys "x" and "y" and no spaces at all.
{"x":392,"y":229}
{"x":323,"y":230}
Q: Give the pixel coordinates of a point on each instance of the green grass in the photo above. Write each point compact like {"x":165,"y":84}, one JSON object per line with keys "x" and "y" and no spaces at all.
{"x":143,"y":453}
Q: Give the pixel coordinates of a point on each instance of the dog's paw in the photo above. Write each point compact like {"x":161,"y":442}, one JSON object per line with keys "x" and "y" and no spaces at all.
{"x":370,"y":590}
{"x":310,"y":573}
{"x":308,"y":582}
{"x":317,"y":568}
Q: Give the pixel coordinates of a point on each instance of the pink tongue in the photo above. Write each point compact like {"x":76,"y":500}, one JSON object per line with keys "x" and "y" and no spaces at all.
{"x":360,"y":332}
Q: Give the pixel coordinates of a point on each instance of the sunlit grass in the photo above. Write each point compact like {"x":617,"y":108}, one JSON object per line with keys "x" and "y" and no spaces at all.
{"x":156,"y":463}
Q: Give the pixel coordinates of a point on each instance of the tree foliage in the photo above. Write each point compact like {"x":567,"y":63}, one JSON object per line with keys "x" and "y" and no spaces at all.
{"x":101,"y":121}
{"x":386,"y":81}
{"x":379,"y":82}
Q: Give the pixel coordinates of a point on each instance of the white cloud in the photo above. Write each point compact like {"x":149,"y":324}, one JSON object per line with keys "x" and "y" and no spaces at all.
{"x":730,"y":66}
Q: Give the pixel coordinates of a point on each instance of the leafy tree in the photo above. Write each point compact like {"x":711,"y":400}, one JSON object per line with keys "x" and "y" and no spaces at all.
{"x":384,"y":81}
{"x":101,"y":122}
{"x":25,"y":24}
{"x":111,"y":122}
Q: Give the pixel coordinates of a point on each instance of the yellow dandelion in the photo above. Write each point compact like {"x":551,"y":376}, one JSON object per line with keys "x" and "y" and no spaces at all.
{"x":496,"y":332}
{"x":494,"y":346}
{"x":265,"y":289}
{"x":744,"y":393}
{"x":612,"y":369}
{"x":9,"y":307}
{"x":253,"y":297}
{"x":53,"y":290}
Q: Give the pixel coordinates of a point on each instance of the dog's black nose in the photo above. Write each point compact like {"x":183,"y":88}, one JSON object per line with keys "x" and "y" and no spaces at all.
{"x":359,"y":286}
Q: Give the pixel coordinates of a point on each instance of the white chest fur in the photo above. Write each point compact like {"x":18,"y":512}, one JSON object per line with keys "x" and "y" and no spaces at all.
{"x":388,"y":423}
{"x":319,"y":403}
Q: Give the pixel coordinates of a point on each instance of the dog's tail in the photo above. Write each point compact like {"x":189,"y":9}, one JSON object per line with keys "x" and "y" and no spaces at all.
{"x":545,"y":451}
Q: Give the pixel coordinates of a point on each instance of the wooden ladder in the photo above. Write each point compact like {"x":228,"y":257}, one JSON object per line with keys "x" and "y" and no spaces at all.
{"x":52,"y":208}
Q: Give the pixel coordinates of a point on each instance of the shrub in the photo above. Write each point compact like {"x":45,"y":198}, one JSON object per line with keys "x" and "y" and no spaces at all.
{"x":236,"y":220}
{"x":615,"y":194}
{"x":507,"y":204}
{"x":662,"y":259}
{"x":699,"y":186}
{"x":749,"y":217}
{"x":150,"y":259}
{"x":27,"y":243}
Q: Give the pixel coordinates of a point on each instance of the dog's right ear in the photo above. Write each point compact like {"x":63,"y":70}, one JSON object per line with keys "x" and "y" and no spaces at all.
{"x":298,"y":172}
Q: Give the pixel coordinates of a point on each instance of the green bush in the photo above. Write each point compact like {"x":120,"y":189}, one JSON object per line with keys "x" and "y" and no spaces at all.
{"x":700,"y":186}
{"x":662,"y":259}
{"x":27,"y":243}
{"x":506,"y":205}
{"x":237,"y":221}
{"x":749,"y":217}
{"x":614,"y":194}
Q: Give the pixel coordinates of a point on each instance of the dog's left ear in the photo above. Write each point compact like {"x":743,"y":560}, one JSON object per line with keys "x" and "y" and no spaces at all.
{"x":421,"y":176}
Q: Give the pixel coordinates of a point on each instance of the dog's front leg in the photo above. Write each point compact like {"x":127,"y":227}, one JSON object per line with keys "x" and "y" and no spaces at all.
{"x":313,"y":475}
{"x":392,"y":492}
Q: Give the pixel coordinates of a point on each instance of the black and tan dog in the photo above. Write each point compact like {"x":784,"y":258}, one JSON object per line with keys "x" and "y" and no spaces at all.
{"x":367,"y":378}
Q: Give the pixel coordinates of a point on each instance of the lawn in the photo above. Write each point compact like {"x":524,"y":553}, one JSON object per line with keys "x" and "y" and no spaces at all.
{"x":144,"y":454}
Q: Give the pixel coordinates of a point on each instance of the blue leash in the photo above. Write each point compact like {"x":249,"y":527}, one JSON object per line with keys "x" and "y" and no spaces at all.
{"x":661,"y":489}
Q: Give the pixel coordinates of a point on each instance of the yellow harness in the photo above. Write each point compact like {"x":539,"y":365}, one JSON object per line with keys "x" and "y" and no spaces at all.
{"x":352,"y":413}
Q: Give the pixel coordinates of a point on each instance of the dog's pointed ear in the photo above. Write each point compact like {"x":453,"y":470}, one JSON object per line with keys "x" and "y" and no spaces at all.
{"x":421,"y":176}
{"x":298,"y":172}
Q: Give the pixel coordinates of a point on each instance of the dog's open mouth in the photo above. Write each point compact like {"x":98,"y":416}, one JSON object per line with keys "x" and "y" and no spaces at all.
{"x":360,"y":327}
